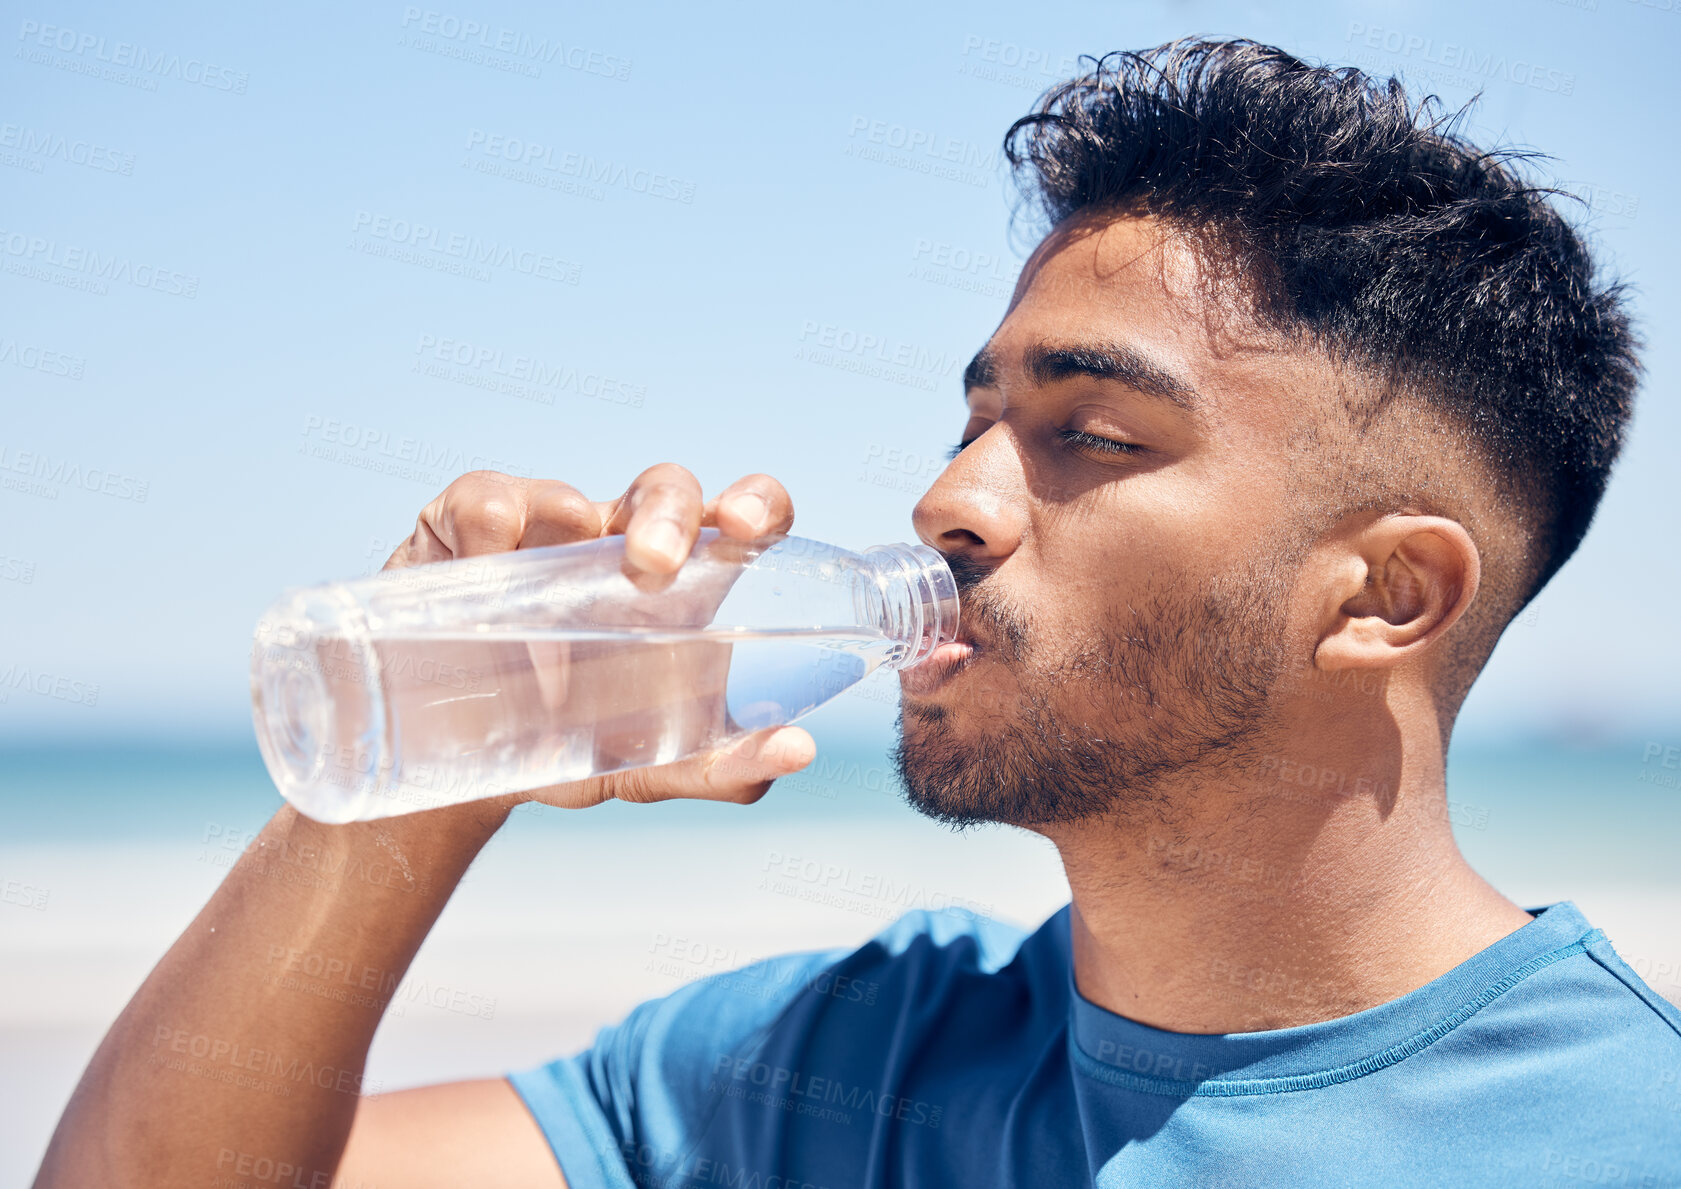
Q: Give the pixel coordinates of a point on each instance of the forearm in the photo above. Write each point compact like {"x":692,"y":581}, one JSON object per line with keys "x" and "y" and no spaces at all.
{"x":250,"y":1035}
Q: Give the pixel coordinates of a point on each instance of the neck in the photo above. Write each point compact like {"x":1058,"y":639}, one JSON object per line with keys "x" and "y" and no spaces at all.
{"x":1324,"y":881}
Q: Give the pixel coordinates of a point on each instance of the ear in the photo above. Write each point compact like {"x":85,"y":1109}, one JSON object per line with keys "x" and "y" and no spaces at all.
{"x":1403,"y":582}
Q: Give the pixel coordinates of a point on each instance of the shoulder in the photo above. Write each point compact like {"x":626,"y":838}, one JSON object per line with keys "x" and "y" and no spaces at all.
{"x":649,"y":1080}
{"x":1628,"y":1036}
{"x":923,"y":958}
{"x":1582,"y":1003}
{"x":1648,"y":1009}
{"x":1588,"y":1055}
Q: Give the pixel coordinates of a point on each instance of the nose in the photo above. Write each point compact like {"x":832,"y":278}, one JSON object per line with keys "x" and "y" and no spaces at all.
{"x":976,"y":506}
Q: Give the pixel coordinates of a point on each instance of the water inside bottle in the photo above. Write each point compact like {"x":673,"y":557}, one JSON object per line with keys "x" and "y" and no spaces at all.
{"x":483,"y":712}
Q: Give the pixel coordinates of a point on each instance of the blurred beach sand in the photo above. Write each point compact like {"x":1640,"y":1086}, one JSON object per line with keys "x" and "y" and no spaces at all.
{"x":556,"y":932}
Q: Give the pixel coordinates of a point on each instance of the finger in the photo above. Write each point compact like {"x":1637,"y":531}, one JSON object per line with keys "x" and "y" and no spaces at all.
{"x":422,"y":548}
{"x":557,"y":513}
{"x":660,"y":518}
{"x":481,"y":512}
{"x":752,"y":506}
{"x":741,"y":772}
{"x":551,"y":665}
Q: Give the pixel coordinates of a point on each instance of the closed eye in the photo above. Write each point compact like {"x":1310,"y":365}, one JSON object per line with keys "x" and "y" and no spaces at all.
{"x":958,"y":449}
{"x":1090,"y":441}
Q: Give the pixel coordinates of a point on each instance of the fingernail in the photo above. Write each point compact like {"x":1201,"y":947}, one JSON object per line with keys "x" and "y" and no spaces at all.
{"x":666,"y":539}
{"x":789,"y":750}
{"x":751,"y":507}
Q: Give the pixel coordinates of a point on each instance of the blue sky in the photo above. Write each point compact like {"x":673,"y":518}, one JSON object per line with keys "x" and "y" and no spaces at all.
{"x":240,"y":303}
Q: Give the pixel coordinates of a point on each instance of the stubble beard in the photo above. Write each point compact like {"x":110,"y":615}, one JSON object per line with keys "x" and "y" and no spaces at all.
{"x":1182,"y":680}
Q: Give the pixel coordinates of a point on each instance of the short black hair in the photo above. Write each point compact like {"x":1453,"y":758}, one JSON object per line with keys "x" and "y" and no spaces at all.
{"x":1367,"y":223}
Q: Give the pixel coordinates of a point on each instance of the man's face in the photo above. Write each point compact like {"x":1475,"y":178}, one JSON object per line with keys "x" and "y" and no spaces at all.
{"x":1125,"y":532}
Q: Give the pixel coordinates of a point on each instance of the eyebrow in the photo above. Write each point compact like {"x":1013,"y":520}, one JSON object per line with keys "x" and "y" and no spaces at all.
{"x":1048,"y":363}
{"x":982,"y":371}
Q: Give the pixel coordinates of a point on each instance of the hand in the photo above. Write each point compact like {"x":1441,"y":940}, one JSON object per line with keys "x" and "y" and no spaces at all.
{"x":660,"y":516}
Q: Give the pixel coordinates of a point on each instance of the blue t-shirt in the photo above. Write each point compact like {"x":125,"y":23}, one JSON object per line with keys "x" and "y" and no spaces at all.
{"x":953,"y":1051}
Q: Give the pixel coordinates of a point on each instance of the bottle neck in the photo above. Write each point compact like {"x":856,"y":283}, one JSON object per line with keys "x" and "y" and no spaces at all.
{"x":910,"y":595}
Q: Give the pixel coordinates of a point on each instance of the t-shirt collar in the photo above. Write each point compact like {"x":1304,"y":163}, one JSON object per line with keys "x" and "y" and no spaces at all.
{"x":1113,"y":1048}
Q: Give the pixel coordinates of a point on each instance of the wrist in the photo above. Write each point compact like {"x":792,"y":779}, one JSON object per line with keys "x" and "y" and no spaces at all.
{"x":429,"y":850}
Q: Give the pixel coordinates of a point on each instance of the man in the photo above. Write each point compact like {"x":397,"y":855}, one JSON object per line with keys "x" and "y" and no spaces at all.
{"x":1299,"y":402}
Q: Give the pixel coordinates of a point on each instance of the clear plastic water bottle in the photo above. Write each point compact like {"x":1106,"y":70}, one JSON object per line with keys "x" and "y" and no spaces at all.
{"x":415,"y":688}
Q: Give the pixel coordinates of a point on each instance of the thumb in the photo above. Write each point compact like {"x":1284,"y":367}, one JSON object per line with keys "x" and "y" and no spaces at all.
{"x":741,"y":772}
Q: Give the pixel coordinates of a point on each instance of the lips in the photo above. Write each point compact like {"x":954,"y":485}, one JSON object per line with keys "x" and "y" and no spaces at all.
{"x":941,"y":665}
